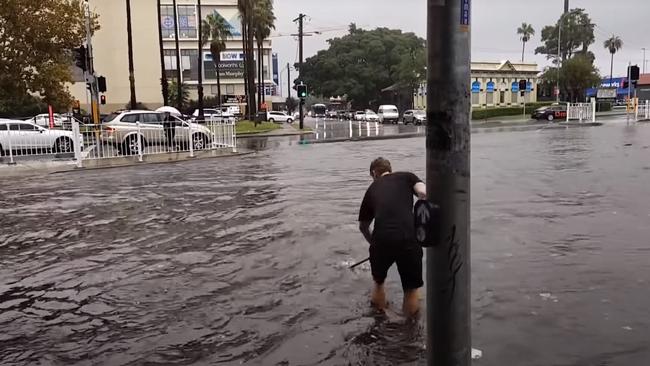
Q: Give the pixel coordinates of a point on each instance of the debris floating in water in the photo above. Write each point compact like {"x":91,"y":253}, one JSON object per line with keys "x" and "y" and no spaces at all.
{"x":476,"y":354}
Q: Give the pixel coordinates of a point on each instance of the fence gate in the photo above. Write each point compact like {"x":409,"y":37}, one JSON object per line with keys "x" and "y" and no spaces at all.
{"x":642,"y":112}
{"x":583,"y":112}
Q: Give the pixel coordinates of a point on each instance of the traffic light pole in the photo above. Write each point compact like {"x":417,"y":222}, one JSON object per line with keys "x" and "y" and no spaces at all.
{"x":300,"y":19}
{"x":448,"y":182}
{"x":289,"y":80}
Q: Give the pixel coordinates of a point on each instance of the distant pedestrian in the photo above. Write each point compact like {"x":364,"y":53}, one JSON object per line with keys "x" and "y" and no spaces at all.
{"x":169,"y":125}
{"x":389,"y":203}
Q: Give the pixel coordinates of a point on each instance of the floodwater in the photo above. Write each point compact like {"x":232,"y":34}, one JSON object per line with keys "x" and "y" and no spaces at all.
{"x":244,"y":260}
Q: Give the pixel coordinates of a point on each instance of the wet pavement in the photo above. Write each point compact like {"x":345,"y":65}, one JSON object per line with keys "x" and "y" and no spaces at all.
{"x":244,"y":260}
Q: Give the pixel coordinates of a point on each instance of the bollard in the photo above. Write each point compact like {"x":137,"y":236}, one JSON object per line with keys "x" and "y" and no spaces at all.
{"x":137,"y":124}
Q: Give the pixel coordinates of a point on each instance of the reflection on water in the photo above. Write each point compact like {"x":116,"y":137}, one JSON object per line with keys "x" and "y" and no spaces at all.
{"x":244,"y":260}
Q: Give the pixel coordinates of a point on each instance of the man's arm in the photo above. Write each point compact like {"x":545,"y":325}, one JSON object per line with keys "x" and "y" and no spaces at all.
{"x":420,"y":190}
{"x":364,"y":227}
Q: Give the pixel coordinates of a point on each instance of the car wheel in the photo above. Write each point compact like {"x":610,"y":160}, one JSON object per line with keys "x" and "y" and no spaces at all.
{"x":130,"y":146}
{"x":63,"y":145}
{"x":199,"y":141}
{"x":271,"y":120}
{"x":550,"y":118}
{"x":289,"y":120}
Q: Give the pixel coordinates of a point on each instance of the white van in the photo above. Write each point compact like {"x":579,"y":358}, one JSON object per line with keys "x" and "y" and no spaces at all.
{"x":388,"y":113}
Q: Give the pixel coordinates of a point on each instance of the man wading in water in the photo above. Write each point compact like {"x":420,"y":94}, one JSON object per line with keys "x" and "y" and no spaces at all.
{"x":389,"y":202}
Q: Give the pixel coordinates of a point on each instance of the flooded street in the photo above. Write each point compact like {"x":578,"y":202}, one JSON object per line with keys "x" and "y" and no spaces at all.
{"x":245,"y":260}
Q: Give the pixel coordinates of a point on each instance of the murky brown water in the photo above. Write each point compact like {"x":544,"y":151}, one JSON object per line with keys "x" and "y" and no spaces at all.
{"x":244,"y":260}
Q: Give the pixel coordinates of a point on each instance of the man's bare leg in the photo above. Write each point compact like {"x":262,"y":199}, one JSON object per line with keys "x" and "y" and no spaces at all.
{"x":378,"y":299}
{"x":411,"y":305}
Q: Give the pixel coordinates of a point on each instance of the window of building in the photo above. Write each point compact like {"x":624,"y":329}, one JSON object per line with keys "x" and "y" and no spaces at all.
{"x":170,"y":63}
{"x":187,"y":27}
{"x":230,"y":89}
{"x":167,"y":21}
{"x":190,"y":64}
{"x":502,"y":99}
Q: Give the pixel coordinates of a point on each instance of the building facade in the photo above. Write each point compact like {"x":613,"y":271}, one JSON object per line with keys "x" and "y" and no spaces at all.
{"x":495,"y":84}
{"x":111,"y":52}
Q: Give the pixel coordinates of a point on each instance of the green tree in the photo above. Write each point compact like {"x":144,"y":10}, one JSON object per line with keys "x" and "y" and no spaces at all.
{"x":577,"y":74}
{"x":185,"y":93}
{"x":526,"y":32}
{"x":613,"y":45}
{"x":264,"y":22}
{"x":362,"y":63}
{"x":577,"y":35}
{"x":35,"y":50}
{"x":292,"y":103}
{"x":217,"y":31}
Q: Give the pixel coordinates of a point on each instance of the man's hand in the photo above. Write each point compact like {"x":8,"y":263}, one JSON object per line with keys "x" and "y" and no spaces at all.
{"x":364,"y":227}
{"x":420,"y":190}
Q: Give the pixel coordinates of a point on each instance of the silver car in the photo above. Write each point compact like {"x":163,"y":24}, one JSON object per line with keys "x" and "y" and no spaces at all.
{"x":155,"y":129}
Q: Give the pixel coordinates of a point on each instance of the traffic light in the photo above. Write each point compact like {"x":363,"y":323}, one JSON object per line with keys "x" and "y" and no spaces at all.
{"x":302,"y":91}
{"x":295,"y":84}
{"x":101,"y":84}
{"x":634,"y":73}
{"x":523,"y":85}
{"x":102,"y":99}
{"x":81,"y":58}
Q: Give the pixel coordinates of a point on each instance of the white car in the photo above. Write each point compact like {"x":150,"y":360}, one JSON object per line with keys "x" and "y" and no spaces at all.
{"x":279,"y":117}
{"x":359,"y":115}
{"x":24,"y":137}
{"x":388,"y":113}
{"x":43,"y":120}
{"x":212,"y":114}
{"x":371,"y":116}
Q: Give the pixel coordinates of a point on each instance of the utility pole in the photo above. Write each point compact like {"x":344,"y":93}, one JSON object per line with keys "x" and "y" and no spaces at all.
{"x":566,"y":6}
{"x":200,"y":65}
{"x":559,"y":56}
{"x":91,"y":80}
{"x":300,"y":19}
{"x":448,"y":182}
{"x":288,"y":80}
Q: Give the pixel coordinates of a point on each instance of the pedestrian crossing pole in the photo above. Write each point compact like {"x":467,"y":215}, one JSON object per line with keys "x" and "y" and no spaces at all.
{"x":448,"y":182}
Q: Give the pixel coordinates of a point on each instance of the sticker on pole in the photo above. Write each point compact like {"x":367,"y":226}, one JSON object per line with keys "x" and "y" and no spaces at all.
{"x":426,"y":217}
{"x":465,"y":14}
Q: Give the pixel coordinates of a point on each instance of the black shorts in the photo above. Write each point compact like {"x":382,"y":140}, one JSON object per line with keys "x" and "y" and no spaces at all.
{"x":408,"y":259}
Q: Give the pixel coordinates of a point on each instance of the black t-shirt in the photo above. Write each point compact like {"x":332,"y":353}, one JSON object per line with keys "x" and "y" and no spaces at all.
{"x":389,"y":201}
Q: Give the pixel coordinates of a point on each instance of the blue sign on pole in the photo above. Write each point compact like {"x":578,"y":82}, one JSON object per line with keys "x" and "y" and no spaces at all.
{"x":465,"y":12}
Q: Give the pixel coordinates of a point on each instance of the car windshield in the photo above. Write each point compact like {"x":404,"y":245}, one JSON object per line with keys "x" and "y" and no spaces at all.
{"x":419,"y":113}
{"x":111,"y":117}
{"x":391,"y":110}
{"x":370,"y":113}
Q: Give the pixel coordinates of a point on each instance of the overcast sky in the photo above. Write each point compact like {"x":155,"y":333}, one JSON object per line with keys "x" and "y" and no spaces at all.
{"x":494,"y":25}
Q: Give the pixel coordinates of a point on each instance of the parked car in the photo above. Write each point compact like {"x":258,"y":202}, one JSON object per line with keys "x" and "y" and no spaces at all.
{"x":550,"y":113}
{"x":213,"y":114}
{"x":331,"y":114}
{"x":359,"y":115}
{"x":279,"y":117}
{"x":388,"y":113}
{"x":415,"y":116}
{"x":43,"y":120}
{"x":371,"y":116}
{"x":342,"y":114}
{"x":121,"y":130}
{"x":25,"y":136}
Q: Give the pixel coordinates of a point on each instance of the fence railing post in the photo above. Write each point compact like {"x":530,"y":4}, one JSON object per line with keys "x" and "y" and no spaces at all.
{"x":233,"y":132}
{"x":77,"y":143}
{"x":191,"y":138}
{"x":568,"y":111}
{"x":647,"y":109}
{"x":11,"y":148}
{"x":376,"y":128}
{"x":368,"y":128}
{"x":137,"y":124}
{"x":593,"y":110}
{"x":350,"y":128}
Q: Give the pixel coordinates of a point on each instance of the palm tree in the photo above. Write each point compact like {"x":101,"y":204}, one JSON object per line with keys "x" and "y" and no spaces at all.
{"x":199,"y":87}
{"x":183,"y":98}
{"x":163,"y":75}
{"x":526,"y":31}
{"x":613,"y":45}
{"x":245,"y":8}
{"x":217,"y":30}
{"x":264,"y":21}
{"x":129,"y":38}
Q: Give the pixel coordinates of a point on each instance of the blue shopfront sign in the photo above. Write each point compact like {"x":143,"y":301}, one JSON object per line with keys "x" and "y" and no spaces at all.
{"x":515,"y":86}
{"x":529,"y":87}
{"x":490,"y":87}
{"x":476,"y":87}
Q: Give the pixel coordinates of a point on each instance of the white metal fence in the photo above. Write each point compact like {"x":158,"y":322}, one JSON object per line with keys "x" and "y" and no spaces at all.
{"x":135,"y":140}
{"x":349,"y":129}
{"x":583,"y":112}
{"x":642,"y":111}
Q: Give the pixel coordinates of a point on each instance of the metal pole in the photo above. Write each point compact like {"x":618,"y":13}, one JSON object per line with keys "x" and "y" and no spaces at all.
{"x":288,"y":80}
{"x":629,"y":90}
{"x":92,"y":81}
{"x":300,"y":53}
{"x":129,"y":40}
{"x":200,"y":65}
{"x":643,"y":59}
{"x":163,"y":75}
{"x":559,"y":56}
{"x":448,"y":182}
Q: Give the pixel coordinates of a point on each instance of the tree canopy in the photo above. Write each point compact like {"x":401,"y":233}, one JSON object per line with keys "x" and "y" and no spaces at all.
{"x":35,"y":50}
{"x":577,"y":36}
{"x":363,"y":62}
